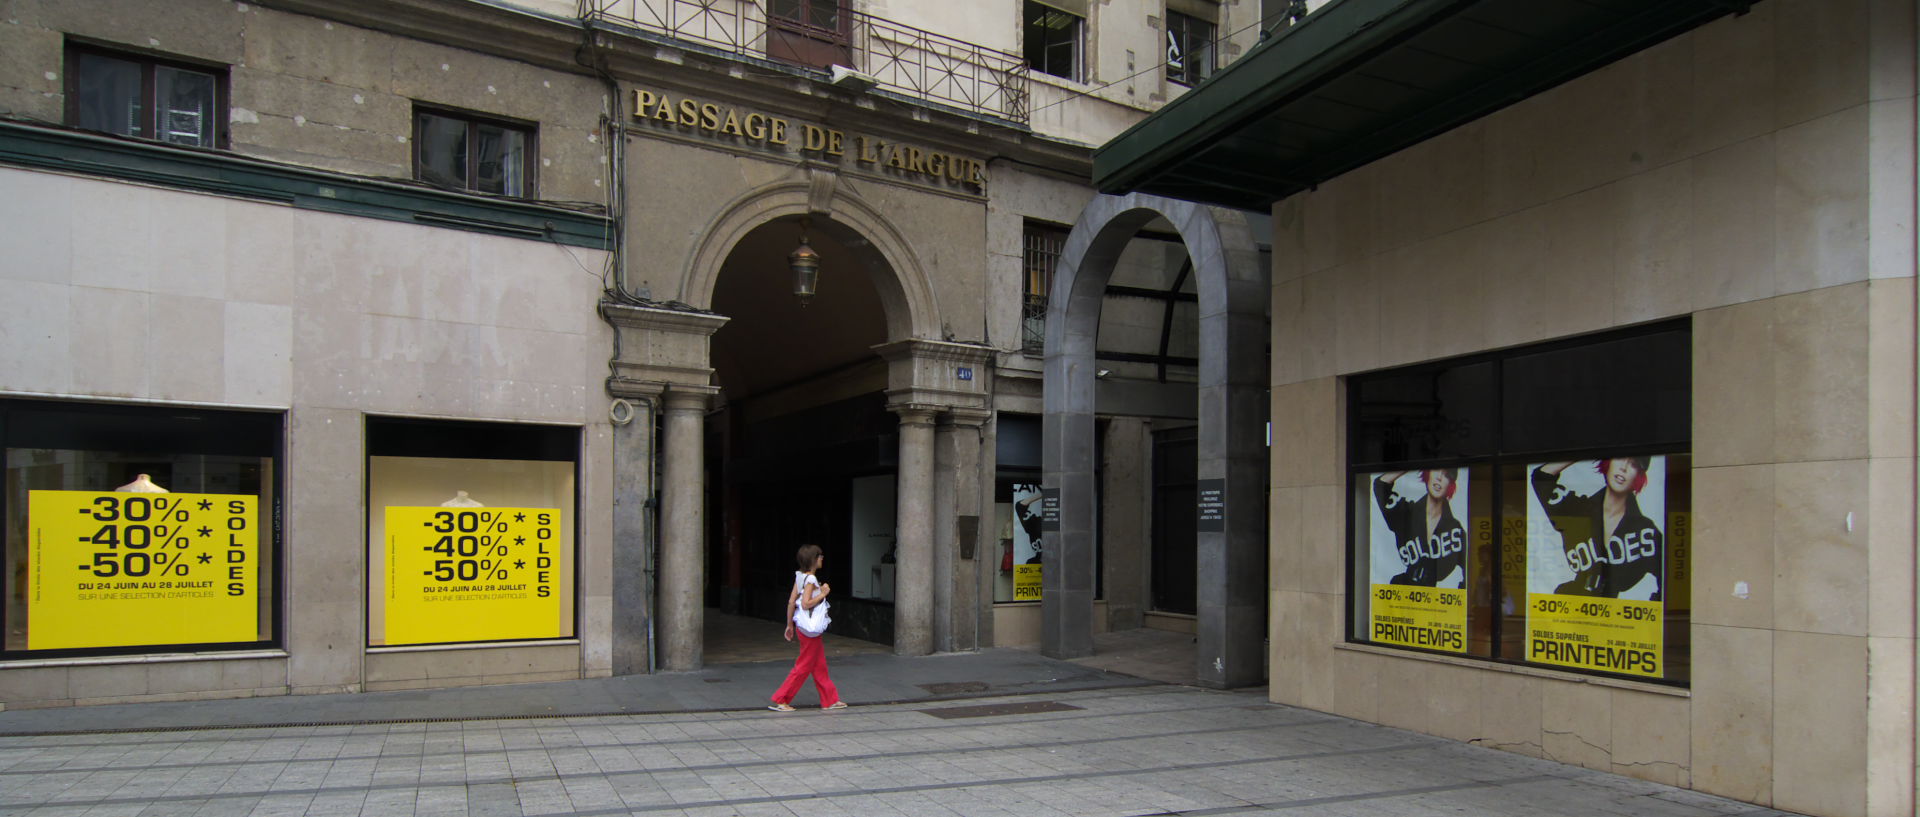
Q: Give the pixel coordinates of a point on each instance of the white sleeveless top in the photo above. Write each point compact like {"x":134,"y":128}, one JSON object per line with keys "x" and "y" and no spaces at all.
{"x":812,"y":622}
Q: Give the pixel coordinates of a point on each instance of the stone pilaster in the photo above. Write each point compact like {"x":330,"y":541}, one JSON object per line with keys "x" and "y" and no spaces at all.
{"x":682,"y":528}
{"x":913,"y":579}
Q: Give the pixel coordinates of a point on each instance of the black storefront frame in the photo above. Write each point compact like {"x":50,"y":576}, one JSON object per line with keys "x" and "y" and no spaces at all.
{"x":274,"y":512}
{"x":1497,"y":461}
{"x":455,"y":439}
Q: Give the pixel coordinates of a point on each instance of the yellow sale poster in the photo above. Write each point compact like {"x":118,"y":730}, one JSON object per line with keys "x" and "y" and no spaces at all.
{"x":1026,"y":582}
{"x":1615,"y":635}
{"x":1596,"y":559}
{"x":473,"y":574}
{"x":132,"y":569}
{"x":1417,"y":559}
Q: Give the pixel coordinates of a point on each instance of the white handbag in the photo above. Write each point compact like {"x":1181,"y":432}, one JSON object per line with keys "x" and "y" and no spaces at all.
{"x":812,"y":622}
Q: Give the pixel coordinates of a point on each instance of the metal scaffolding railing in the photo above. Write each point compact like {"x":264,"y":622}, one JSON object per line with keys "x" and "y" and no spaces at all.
{"x":897,"y":57}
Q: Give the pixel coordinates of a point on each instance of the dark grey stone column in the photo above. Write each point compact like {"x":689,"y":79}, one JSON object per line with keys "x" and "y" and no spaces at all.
{"x":1231,"y":621}
{"x":1232,"y":452}
{"x":633,"y":530}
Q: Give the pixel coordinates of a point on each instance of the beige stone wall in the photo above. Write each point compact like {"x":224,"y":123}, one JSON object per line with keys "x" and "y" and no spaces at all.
{"x":1124,"y":46}
{"x":1758,"y":176}
{"x":312,"y":92}
{"x":1014,"y":197}
{"x":121,"y":292}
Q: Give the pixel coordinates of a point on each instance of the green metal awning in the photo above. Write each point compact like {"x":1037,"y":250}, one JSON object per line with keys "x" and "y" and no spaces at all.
{"x":1361,"y":79}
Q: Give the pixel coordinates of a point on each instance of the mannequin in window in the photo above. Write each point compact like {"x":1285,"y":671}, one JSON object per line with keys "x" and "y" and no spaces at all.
{"x":141,"y":484}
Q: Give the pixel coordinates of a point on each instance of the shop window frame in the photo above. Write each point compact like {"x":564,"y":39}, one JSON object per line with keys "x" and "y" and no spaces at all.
{"x":461,"y":439}
{"x":273,"y":511}
{"x":1497,"y":460}
{"x":149,"y":63}
{"x":474,"y":121}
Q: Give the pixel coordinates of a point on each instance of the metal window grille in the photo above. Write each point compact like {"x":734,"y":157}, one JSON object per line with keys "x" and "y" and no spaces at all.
{"x":817,"y":33}
{"x":1040,"y":254}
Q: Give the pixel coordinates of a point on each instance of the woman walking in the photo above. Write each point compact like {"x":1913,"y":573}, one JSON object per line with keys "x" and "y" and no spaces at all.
{"x":807,"y":612}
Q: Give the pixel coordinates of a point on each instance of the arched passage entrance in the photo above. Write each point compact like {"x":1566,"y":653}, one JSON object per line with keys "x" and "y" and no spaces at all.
{"x":916,"y":393}
{"x":1231,"y":462}
{"x":800,"y":445}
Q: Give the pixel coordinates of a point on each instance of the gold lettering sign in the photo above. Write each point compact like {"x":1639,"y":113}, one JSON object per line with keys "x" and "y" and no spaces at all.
{"x":779,"y":135}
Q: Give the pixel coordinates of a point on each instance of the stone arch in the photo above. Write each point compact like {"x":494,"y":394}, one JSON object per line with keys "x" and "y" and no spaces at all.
{"x":1232,"y":288}
{"x":906,"y":292}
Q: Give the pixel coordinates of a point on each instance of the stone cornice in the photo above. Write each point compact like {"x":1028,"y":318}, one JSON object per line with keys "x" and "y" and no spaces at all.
{"x":68,"y":150}
{"x":971,"y":418}
{"x":936,"y":350}
{"x":689,"y":398}
{"x":914,"y":413}
{"x":627,"y":316}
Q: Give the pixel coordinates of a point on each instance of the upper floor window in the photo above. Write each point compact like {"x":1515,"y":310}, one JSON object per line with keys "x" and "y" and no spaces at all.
{"x":470,"y":153}
{"x":1189,"y":48}
{"x":1040,"y":253}
{"x":817,"y":14}
{"x":1053,"y":39}
{"x":146,"y":97}
{"x":809,"y":32}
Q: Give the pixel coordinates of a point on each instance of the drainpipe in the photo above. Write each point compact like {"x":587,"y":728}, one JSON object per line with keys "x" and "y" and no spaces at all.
{"x":616,"y":288}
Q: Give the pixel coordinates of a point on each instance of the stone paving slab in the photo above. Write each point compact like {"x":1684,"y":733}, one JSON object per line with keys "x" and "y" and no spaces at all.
{"x":1120,"y":750}
{"x":861,"y":678}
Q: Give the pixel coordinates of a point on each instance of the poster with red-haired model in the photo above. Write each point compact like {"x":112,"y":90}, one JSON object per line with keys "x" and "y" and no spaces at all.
{"x":1596,"y":559}
{"x":1417,"y":559}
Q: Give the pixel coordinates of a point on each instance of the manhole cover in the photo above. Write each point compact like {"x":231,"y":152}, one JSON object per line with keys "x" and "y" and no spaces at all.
{"x":994,"y":710}
{"x":954,"y":687}
{"x":717,"y":680}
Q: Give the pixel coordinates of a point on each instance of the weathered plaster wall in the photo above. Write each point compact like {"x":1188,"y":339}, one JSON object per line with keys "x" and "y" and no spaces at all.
{"x":317,"y":93}
{"x":116,"y":291}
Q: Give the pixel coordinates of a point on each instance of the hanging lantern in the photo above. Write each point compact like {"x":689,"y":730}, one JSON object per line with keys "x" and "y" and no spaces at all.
{"x":805,"y":264}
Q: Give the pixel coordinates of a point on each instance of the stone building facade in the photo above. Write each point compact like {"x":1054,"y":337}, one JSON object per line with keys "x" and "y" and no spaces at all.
{"x":480,"y":317}
{"x":1689,"y":260}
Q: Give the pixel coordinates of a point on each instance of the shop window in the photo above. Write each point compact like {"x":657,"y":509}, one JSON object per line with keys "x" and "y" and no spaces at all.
{"x":875,"y":547}
{"x":146,"y":97}
{"x":1053,"y":39}
{"x":1041,"y":246}
{"x":138,"y":529}
{"x":1175,"y":580}
{"x":470,"y":531}
{"x":465,"y":152}
{"x":1189,"y":48}
{"x":813,"y":33}
{"x":1019,"y":509}
{"x":1531,"y":506}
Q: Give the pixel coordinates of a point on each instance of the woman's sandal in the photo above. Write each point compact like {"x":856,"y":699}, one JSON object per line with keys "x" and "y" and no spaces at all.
{"x":781,"y":708}
{"x":836,"y":705}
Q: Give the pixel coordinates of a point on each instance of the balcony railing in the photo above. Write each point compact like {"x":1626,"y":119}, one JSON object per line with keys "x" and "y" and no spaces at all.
{"x":899,"y":58}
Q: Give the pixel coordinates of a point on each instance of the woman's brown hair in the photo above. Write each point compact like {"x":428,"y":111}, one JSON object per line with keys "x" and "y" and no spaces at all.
{"x":806,"y":556}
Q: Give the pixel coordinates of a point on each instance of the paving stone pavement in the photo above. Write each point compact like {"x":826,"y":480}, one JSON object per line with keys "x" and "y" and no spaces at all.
{"x":1114,"y":750}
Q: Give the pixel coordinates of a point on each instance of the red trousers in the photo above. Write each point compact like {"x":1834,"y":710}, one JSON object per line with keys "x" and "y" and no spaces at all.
{"x":812,"y":662}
